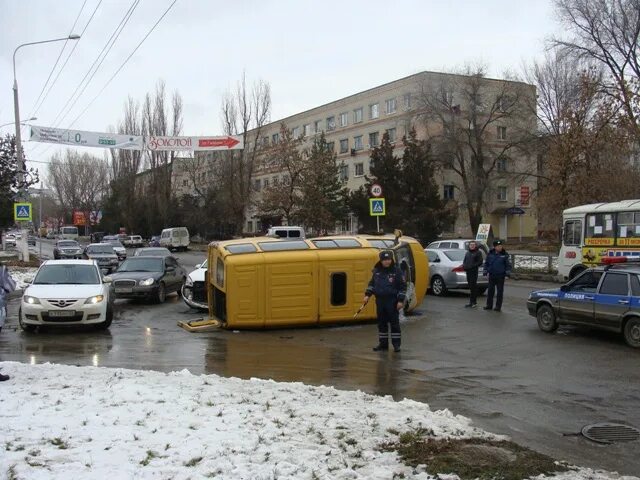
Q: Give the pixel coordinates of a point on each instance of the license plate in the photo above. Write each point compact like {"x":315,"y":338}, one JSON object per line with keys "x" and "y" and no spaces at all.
{"x":124,"y":290}
{"x":62,"y":313}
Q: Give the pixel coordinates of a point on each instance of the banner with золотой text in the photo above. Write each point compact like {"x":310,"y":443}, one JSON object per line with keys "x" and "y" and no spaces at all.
{"x":168,"y":144}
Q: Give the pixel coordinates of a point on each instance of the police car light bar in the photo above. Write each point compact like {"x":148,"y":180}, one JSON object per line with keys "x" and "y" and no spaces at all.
{"x":613,"y":260}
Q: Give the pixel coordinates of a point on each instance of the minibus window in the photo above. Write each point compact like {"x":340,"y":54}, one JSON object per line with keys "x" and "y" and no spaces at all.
{"x":347,"y":243}
{"x":283,"y":245}
{"x":294,"y":233}
{"x":241,"y":248}
{"x":220,"y":273}
{"x":325,"y":244}
{"x":572,"y":233}
{"x":338,"y":289}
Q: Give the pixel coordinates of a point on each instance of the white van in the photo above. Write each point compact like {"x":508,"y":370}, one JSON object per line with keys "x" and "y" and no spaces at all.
{"x":176,"y":238}
{"x":286,"y":232}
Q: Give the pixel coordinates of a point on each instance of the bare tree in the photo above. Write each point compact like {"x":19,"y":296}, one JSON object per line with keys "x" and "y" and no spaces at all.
{"x":607,"y":32}
{"x":244,"y":112}
{"x":473,"y":123}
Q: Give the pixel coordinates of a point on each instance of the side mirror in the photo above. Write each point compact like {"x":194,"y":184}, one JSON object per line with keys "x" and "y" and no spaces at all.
{"x":170,"y":269}
{"x":437,"y":260}
{"x":565,"y":288}
{"x":107,"y":279}
{"x":198,"y":266}
{"x":28,"y":280}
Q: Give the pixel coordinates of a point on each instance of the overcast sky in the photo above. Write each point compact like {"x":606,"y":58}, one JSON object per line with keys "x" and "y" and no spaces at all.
{"x":310,"y":52}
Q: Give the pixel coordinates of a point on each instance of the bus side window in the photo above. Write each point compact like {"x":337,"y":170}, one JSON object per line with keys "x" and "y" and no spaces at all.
{"x":572,"y":233}
{"x":338,"y":289}
{"x":628,"y":224}
{"x":600,"y":225}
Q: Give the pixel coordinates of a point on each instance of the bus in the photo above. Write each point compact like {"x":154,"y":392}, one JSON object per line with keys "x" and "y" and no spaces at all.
{"x":69,"y":233}
{"x":592,"y":232}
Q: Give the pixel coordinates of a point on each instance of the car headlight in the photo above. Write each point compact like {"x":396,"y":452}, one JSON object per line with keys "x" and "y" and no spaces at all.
{"x":94,"y":300}
{"x":31,"y":300}
{"x":188,"y":282}
{"x":146,"y":282}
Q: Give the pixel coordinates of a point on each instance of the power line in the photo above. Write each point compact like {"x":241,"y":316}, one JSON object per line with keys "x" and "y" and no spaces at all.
{"x":100,"y":58}
{"x":124,"y":63}
{"x":75,"y":45}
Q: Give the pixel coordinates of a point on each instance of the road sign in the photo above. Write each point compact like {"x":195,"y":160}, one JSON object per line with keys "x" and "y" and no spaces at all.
{"x":377,"y":207}
{"x":376,"y":190}
{"x":22,"y":212}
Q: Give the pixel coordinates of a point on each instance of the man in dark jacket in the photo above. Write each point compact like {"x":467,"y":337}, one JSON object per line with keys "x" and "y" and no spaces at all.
{"x":497,"y":266}
{"x":389,"y":287}
{"x":472,"y":262}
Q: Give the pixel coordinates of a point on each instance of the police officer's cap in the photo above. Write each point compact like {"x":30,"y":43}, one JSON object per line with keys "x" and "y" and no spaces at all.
{"x":386,"y":255}
{"x":497,"y":242}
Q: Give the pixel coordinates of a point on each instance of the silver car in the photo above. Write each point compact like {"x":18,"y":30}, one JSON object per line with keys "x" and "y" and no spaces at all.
{"x":446,"y":272}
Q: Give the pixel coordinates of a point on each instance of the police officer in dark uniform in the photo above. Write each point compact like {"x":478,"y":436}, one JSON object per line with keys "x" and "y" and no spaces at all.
{"x":389,"y":287}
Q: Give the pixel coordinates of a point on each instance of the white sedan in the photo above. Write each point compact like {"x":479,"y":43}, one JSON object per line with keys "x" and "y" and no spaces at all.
{"x":66,"y":292}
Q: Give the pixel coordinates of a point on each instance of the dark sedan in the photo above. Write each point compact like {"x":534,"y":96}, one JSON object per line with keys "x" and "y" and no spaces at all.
{"x":64,"y":249}
{"x":148,"y":277}
{"x":104,"y":255}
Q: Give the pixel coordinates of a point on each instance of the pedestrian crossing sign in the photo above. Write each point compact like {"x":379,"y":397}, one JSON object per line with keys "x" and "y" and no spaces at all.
{"x":377,"y":207}
{"x":22,"y":212}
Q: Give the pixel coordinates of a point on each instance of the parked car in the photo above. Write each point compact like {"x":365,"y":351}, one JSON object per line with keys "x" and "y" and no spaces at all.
{"x":176,"y":238}
{"x":446,"y":272}
{"x":152,"y":252}
{"x":286,"y":232}
{"x":117,"y":246}
{"x":603,"y":297}
{"x":67,"y":249}
{"x":31,"y":240}
{"x":66,"y":292}
{"x":51,"y":235}
{"x":148,"y":277}
{"x":133,"y":241}
{"x":459,"y":243}
{"x":194,"y":290}
{"x":155,"y":241}
{"x":10,"y":240}
{"x":104,"y":255}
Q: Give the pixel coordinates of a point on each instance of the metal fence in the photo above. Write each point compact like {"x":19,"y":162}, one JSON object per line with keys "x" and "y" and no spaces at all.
{"x":534,"y":263}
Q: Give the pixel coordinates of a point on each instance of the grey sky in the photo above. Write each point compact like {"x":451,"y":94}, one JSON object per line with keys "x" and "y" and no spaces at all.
{"x":310,"y":52}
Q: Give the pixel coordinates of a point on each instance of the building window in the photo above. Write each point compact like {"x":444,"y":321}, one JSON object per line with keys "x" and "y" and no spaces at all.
{"x":343,"y":119}
{"x":357,"y":142}
{"x":275,"y":181}
{"x":501,"y":164}
{"x":307,"y":129}
{"x":331,"y":146}
{"x":265,"y":141}
{"x":449,"y":192}
{"x":391,"y":105}
{"x":392,"y":134}
{"x":317,"y":127}
{"x":295,"y":132}
{"x":374,"y":111}
{"x":249,"y":226}
{"x":359,"y":169}
{"x":357,"y":115}
{"x":374,"y":139}
{"x":344,"y":172}
{"x":502,"y":133}
{"x":406,"y":100}
{"x":275,"y":138}
{"x":331,"y":123}
{"x":185,"y":183}
{"x":502,"y":194}
{"x":257,"y":184}
{"x":344,"y":145}
{"x":265,"y":183}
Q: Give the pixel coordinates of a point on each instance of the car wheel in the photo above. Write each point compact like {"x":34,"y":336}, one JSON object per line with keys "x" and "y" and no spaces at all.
{"x":546,"y":319}
{"x":161,"y":294}
{"x":632,"y":332}
{"x":438,"y":287}
{"x":24,"y":326}
{"x":481,"y":291}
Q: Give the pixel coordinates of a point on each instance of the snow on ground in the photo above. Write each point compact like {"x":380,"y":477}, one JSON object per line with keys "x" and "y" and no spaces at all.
{"x":19,"y":274}
{"x":95,"y":423}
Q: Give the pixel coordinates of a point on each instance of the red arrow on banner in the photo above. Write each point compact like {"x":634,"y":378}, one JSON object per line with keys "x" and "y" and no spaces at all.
{"x":228,"y":142}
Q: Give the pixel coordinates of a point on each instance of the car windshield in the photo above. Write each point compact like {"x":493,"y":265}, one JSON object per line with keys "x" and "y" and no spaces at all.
{"x":115,"y":243}
{"x":100,"y":249}
{"x":142,"y":264}
{"x":69,"y":274}
{"x":455,"y":255}
{"x":68,"y":244}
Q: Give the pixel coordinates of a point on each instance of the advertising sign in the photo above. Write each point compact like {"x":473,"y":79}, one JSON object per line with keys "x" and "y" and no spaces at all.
{"x":168,"y":144}
{"x":81,"y":138}
{"x":79,"y":218}
{"x":523,"y":196}
{"x":484,"y":230}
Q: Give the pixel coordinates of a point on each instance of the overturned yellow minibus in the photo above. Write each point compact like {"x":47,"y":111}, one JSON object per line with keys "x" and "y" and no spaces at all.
{"x":268,"y":283}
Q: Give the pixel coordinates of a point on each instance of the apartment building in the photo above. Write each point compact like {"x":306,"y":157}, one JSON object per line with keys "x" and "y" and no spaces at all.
{"x":354,"y":125}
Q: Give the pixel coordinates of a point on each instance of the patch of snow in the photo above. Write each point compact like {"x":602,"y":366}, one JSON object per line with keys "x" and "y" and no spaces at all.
{"x":20,"y":274}
{"x":94,"y":423}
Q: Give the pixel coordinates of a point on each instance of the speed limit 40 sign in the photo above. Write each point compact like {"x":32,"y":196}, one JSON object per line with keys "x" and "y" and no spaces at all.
{"x":375,"y":190}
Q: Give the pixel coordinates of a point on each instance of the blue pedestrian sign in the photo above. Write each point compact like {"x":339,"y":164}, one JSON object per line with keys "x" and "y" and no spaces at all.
{"x":22,"y":212}
{"x":377,"y":207}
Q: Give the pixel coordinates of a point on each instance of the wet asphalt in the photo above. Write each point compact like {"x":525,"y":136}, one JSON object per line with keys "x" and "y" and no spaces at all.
{"x":496,"y":368}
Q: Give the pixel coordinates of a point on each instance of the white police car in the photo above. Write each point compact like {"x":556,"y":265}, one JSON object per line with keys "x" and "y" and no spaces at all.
{"x":606,"y":297}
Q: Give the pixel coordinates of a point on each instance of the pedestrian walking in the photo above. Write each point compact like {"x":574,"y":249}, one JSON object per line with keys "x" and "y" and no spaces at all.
{"x":497,"y":267}
{"x":7,"y":285}
{"x":471,"y":264}
{"x":390,"y":288}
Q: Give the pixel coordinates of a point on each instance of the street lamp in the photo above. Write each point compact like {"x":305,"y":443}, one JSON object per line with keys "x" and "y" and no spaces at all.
{"x":21,"y":123}
{"x":16,"y":109}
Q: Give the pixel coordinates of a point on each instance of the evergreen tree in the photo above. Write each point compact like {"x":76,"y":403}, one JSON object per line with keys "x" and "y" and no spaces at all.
{"x":12,"y":181}
{"x":324,"y":195}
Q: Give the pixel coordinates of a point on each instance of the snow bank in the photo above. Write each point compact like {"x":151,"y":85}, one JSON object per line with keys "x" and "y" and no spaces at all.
{"x":86,"y":422}
{"x":19,"y":274}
